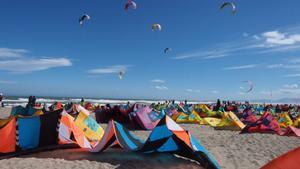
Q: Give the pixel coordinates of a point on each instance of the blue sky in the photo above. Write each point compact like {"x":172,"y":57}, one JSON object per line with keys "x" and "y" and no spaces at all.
{"x":45,"y":52}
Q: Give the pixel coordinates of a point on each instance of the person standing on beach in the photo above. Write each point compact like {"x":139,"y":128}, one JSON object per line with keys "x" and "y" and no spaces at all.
{"x":29,"y":101}
{"x":33,"y":101}
{"x":82,"y":102}
{"x":1,"y":98}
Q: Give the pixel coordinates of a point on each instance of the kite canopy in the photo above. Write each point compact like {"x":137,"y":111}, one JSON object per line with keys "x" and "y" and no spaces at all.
{"x":169,"y":137}
{"x":250,"y":86}
{"x":8,"y":133}
{"x":83,"y":18}
{"x":289,"y":160}
{"x":144,"y":117}
{"x":230,"y":121}
{"x":191,"y":118}
{"x":231,"y":4}
{"x":121,"y":74}
{"x":117,"y":136}
{"x":156,"y":26}
{"x":167,"y":50}
{"x":265,"y":124}
{"x":130,"y":3}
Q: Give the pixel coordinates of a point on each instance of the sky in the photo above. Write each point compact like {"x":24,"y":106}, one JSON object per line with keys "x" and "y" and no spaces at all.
{"x":45,"y":52}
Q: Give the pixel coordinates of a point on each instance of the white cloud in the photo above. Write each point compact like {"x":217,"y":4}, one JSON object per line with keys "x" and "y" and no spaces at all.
{"x":109,"y":69}
{"x":161,"y":87}
{"x":256,"y":37}
{"x":276,"y":38}
{"x":189,"y":90}
{"x":291,"y":86}
{"x":31,"y":65}
{"x":14,"y":60}
{"x":293,"y":75}
{"x":293,"y":64}
{"x":290,"y":89}
{"x":217,"y":51}
{"x":215,"y":91}
{"x":203,"y":55}
{"x":12,"y":53}
{"x":7,"y":82}
{"x":280,"y":65}
{"x":295,"y":60}
{"x":280,"y":41}
{"x":241,"y":67}
{"x":245,"y":34}
{"x":270,"y":41}
{"x":157,"y":81}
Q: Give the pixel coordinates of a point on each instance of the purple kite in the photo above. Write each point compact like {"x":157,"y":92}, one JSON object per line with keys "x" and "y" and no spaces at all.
{"x":130,"y":3}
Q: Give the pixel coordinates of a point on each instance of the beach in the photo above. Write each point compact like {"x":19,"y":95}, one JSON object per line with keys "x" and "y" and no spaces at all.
{"x":231,"y":149}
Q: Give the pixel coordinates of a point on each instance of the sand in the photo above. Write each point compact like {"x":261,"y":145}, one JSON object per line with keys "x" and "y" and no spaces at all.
{"x":231,"y":149}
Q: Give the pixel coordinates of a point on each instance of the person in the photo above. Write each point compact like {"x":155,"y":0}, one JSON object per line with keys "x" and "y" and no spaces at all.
{"x":218,"y":105}
{"x":1,"y":100}
{"x":29,"y":101}
{"x":33,"y":101}
{"x":127,"y":105}
{"x":82,"y":102}
{"x":108,"y":106}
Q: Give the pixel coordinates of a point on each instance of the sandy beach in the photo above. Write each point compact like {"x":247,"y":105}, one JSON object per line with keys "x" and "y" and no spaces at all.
{"x":231,"y":149}
{"x":143,"y":65}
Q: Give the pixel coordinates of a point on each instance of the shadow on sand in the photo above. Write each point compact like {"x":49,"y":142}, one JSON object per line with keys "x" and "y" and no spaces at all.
{"x":120,"y":158}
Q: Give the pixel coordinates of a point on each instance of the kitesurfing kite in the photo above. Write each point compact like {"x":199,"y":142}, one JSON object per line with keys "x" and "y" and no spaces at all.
{"x":156,"y":27}
{"x":83,"y":18}
{"x":121,"y":74}
{"x":167,"y":50}
{"x":130,"y":3}
{"x":229,"y":4}
{"x":250,"y":86}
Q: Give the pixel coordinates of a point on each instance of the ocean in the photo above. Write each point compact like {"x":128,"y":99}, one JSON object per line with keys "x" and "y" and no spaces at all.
{"x":21,"y":100}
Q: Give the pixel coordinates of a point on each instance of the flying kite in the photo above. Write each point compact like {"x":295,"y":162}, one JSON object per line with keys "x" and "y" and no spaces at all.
{"x":156,"y":27}
{"x":250,"y":86}
{"x":130,"y":3}
{"x":121,"y":74}
{"x":83,"y":18}
{"x":229,"y":4}
{"x":167,"y":50}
